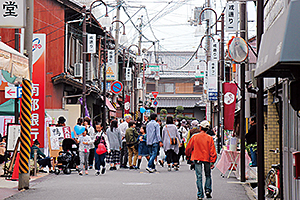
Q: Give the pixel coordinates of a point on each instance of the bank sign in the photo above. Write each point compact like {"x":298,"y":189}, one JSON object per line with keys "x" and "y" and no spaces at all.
{"x":38,"y":88}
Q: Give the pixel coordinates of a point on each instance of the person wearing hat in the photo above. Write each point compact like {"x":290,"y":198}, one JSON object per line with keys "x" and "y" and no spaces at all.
{"x":202,"y":151}
{"x":42,"y":160}
{"x":61,"y":121}
{"x":193,"y":130}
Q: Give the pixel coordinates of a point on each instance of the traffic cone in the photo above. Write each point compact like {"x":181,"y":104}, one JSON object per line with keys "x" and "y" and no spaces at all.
{"x":15,"y":175}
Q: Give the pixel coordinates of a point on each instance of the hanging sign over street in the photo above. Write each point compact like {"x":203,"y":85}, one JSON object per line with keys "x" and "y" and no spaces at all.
{"x":110,"y":57}
{"x":215,"y":55}
{"x":231,"y":16}
{"x":212,"y":80}
{"x":91,"y":43}
{"x":116,"y":87}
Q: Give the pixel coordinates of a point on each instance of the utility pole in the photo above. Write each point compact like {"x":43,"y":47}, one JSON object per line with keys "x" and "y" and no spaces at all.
{"x":243,"y":21}
{"x":208,"y":53}
{"x":24,"y":172}
{"x":123,"y":80}
{"x":222,"y":67}
{"x":17,"y":47}
{"x":137,"y":91}
{"x":104,"y":83}
{"x":84,"y":62}
{"x":259,"y":109}
{"x":117,"y":39}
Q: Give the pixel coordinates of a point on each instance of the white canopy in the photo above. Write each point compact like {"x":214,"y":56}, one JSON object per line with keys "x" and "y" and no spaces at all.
{"x":13,"y":62}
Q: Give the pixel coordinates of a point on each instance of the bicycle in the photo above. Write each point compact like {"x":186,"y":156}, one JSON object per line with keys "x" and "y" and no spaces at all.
{"x":272,"y":183}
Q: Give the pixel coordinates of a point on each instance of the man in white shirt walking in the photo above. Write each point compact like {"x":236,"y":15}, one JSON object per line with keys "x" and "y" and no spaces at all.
{"x":124,"y":151}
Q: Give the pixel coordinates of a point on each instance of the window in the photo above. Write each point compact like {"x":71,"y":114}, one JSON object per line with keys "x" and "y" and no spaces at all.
{"x":169,"y":87}
{"x":184,"y":88}
{"x":150,"y":87}
{"x":166,"y":88}
{"x":198,"y":88}
{"x":75,"y":53}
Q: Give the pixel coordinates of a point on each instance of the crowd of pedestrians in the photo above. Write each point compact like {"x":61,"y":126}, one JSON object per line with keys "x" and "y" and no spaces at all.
{"x":127,"y":142}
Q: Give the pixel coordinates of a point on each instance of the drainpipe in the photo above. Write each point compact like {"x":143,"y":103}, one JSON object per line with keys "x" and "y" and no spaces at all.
{"x":280,"y":139}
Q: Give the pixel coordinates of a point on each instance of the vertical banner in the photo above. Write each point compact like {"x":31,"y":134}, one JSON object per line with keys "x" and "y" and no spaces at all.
{"x":215,"y":53}
{"x":231,"y":16}
{"x":127,"y":105}
{"x":213,"y":80}
{"x":38,"y":88}
{"x":205,"y":86}
{"x":91,"y":43}
{"x":229,"y":90}
{"x":110,"y":57}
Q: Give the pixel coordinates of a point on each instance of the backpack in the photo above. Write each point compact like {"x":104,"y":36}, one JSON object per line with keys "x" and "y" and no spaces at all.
{"x":99,"y":139}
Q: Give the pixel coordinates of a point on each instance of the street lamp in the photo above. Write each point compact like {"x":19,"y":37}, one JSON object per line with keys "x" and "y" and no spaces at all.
{"x":222,"y":63}
{"x":123,"y":37}
{"x":105,"y":21}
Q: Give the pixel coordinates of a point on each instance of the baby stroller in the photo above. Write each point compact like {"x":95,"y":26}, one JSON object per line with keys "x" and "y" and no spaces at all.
{"x":68,"y":158}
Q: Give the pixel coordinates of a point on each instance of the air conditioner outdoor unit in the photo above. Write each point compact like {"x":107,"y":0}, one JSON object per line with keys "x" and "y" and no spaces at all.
{"x":78,"y":70}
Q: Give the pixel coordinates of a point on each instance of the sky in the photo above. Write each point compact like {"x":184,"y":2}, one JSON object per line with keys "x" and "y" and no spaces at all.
{"x":167,"y":22}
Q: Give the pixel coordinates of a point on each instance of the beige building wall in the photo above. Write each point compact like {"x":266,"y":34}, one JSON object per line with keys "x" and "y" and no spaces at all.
{"x":74,"y":114}
{"x":271,"y":134}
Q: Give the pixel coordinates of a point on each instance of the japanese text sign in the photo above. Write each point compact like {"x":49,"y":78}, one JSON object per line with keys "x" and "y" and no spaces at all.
{"x":110,"y":57}
{"x":215,"y":55}
{"x":38,"y":88}
{"x":231,"y":16}
{"x":212,"y":76}
{"x":12,"y":13}
{"x":91,"y":43}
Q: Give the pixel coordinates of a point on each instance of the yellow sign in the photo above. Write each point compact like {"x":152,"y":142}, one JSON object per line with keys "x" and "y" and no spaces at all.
{"x":111,"y":73}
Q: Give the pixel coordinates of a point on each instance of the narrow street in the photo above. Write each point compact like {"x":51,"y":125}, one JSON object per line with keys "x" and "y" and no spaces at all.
{"x":131,"y":184}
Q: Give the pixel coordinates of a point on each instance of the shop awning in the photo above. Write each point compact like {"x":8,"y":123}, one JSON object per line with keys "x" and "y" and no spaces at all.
{"x":279,"y":54}
{"x":13,"y":62}
{"x":8,"y":108}
{"x":110,"y":106}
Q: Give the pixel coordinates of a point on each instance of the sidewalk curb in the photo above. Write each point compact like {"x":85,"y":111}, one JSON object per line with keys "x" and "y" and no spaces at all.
{"x":249,"y":191}
{"x":14,"y":190}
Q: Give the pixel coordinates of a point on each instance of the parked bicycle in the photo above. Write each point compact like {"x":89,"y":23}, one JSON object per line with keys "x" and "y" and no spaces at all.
{"x":272,"y":182}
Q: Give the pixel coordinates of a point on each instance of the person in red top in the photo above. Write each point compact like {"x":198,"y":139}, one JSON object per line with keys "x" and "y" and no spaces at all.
{"x":202,"y":150}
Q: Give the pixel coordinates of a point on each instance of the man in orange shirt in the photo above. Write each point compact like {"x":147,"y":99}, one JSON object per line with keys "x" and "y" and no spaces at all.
{"x":202,"y":150}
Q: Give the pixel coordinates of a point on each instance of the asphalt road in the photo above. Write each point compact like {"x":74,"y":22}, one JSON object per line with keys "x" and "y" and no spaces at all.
{"x":130,"y":185}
